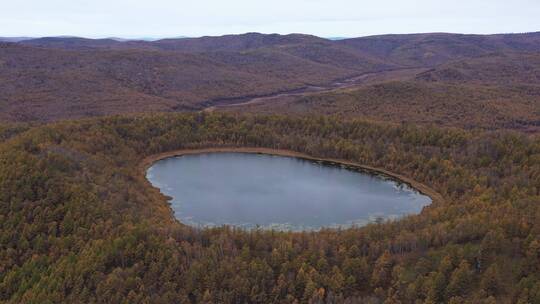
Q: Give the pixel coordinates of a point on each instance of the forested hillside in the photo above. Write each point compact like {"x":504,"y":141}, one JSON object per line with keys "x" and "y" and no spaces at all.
{"x":40,"y":84}
{"x":433,"y":49}
{"x":55,"y":78}
{"x":79,"y":223}
{"x":495,"y":91}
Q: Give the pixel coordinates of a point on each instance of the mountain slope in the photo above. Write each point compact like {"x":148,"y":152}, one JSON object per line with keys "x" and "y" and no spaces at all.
{"x":495,"y":68}
{"x":436,"y":48}
{"x":492,"y":91}
{"x":49,"y":84}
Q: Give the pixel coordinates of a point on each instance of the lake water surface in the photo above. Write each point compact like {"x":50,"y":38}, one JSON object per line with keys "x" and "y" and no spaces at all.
{"x":284,"y":193}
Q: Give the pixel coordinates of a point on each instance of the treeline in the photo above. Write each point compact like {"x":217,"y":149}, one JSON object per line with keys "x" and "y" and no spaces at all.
{"x":80,"y":223}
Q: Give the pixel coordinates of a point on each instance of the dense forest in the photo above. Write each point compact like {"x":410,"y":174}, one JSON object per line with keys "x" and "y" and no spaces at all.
{"x":79,"y":223}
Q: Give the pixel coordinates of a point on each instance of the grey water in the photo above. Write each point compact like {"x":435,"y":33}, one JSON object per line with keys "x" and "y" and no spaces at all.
{"x":276,"y":192}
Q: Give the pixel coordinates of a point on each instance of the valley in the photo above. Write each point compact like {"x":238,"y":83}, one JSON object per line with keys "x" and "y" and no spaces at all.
{"x":467,"y":81}
{"x":352,"y":82}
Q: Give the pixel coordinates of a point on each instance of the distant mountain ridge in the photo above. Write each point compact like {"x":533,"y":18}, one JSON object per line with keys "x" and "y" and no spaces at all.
{"x":379,"y":45}
{"x":14,"y":39}
{"x":186,"y":44}
{"x":438,"y":48}
{"x":409,"y":50}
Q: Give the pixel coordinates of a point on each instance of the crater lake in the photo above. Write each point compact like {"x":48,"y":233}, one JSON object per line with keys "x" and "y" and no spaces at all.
{"x":251,"y":190}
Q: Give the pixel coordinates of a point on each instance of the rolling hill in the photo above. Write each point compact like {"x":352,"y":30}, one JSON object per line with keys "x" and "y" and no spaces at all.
{"x":462,"y":80}
{"x":438,"y":48}
{"x":48,"y":84}
{"x":491,"y":91}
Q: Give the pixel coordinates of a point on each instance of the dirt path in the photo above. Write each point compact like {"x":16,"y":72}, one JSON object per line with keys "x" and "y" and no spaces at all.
{"x":420,"y":187}
{"x":360,"y":80}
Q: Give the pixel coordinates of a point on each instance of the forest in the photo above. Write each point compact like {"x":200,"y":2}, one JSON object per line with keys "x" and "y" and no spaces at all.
{"x":79,"y":222}
{"x":439,"y":78}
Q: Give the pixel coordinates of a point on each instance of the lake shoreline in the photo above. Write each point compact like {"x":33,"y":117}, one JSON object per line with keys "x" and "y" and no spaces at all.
{"x":420,"y":187}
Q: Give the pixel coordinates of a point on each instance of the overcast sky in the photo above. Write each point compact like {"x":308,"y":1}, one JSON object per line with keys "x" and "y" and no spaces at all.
{"x":327,"y":18}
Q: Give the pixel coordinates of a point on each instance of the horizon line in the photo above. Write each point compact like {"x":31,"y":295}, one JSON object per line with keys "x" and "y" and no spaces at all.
{"x":330,"y":37}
